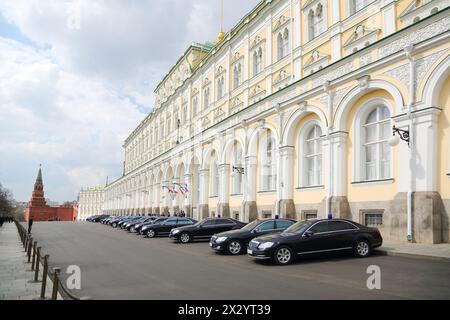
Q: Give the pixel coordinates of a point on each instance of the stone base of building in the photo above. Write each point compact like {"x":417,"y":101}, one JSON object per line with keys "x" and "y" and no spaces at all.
{"x":155,"y":210}
{"x":340,"y":208}
{"x":287,"y":209}
{"x":203,"y":211}
{"x":223,"y":209}
{"x":427,"y":220}
{"x":250,"y":211}
{"x":187,"y":210}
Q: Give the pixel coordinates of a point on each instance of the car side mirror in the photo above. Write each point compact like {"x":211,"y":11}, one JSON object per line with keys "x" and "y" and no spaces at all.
{"x":256,"y":230}
{"x":308,"y":234}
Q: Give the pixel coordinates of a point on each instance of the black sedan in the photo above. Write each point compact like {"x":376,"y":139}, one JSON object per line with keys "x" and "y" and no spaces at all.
{"x":205,"y":229}
{"x":164,"y":227}
{"x":144,"y":227}
{"x":235,"y":241}
{"x":316,"y":236}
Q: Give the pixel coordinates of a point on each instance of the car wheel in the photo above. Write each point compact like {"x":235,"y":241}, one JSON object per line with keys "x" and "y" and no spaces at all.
{"x":362,"y":248}
{"x":151,"y":233}
{"x":132,"y":229}
{"x":282,"y":255}
{"x":234,"y":247}
{"x":185,"y":237}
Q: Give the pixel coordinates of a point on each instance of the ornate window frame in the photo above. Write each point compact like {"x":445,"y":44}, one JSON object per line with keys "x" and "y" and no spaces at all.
{"x":358,"y":163}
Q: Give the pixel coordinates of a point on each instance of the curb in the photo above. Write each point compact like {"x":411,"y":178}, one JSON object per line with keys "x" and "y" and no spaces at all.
{"x":385,"y":252}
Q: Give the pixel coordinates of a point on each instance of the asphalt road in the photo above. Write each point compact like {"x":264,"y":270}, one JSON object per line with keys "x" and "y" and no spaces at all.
{"x":119,"y":265}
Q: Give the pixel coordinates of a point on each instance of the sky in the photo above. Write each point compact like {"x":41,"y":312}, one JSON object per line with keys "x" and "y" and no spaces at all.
{"x":77,"y":76}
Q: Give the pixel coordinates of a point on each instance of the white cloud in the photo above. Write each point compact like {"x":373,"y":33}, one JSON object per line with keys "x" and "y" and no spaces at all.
{"x":71,"y":100}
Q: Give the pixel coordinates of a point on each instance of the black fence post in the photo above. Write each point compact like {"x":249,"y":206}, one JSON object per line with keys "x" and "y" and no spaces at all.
{"x":44,"y":276}
{"x":30,"y":243}
{"x":38,"y":262}
{"x":56,"y":272}
{"x":33,"y":261}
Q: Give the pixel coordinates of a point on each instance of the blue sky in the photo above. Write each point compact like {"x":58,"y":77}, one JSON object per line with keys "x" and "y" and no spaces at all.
{"x":77,"y":76}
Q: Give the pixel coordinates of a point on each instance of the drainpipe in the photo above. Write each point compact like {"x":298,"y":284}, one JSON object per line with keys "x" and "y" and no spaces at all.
{"x":326,"y":88}
{"x":409,"y":198}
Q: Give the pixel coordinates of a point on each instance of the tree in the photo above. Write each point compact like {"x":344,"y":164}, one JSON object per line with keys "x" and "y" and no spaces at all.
{"x":6,"y":201}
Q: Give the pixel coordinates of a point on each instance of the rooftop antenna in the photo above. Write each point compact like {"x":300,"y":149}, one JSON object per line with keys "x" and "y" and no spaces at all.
{"x":107,"y":180}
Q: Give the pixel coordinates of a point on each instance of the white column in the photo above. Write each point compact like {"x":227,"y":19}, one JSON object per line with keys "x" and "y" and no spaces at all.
{"x":250,"y":178}
{"x":339,"y":154}
{"x":204,"y":186}
{"x":188,"y":195}
{"x":224,"y":187}
{"x":286,"y":185}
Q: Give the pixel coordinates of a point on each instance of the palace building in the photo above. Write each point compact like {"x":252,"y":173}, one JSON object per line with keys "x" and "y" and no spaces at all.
{"x":291,"y":113}
{"x":90,"y":202}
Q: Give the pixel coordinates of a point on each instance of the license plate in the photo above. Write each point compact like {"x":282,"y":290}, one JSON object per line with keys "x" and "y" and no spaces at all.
{"x":249,"y":251}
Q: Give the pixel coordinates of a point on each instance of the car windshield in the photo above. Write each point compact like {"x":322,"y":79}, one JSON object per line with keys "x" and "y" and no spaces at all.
{"x":251,"y":225}
{"x":298,"y":226}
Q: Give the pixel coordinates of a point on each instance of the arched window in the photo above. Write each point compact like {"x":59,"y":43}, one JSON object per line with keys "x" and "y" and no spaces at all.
{"x":268,"y":164}
{"x":311,"y":32}
{"x":280,"y":46}
{"x":376,"y":150}
{"x":312,"y":157}
{"x":206,"y":98}
{"x":257,"y":61}
{"x":285,"y":42}
{"x":214,"y":172}
{"x":237,"y":177}
{"x":316,"y":22}
{"x":220,"y":87}
{"x":260,"y":60}
{"x":194,"y":106}
{"x":237,"y":76}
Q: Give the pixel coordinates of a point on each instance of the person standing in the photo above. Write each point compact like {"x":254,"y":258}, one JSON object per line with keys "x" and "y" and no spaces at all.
{"x":30,"y":224}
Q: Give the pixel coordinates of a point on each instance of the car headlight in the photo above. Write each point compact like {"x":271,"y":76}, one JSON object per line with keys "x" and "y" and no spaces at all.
{"x":265,"y":245}
{"x":221,"y":239}
{"x":175,"y":231}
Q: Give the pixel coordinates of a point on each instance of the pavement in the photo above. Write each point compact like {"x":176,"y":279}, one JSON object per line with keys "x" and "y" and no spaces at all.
{"x":15,"y":273}
{"x":438,"y":252}
{"x":116,"y":264}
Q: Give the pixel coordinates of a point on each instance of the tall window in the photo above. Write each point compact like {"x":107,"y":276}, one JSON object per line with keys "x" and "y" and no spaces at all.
{"x":206,"y":98}
{"x":220,"y":87}
{"x":237,"y":177}
{"x":194,"y":106}
{"x":237,"y":75}
{"x":185,"y":113}
{"x":257,"y":61}
{"x":313,"y":157}
{"x":356,"y":5}
{"x":316,"y":21}
{"x":214,"y":171}
{"x":377,"y":152}
{"x":169,"y":125}
{"x":268,"y":165}
{"x":283,"y":44}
